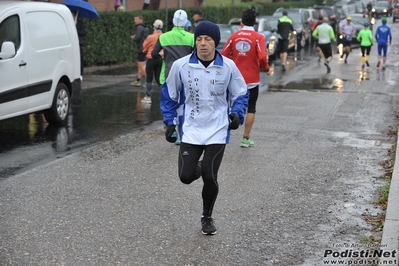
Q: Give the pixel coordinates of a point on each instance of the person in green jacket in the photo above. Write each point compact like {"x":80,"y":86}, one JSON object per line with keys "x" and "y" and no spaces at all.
{"x":365,"y":38}
{"x":324,"y":33}
{"x":173,"y":44}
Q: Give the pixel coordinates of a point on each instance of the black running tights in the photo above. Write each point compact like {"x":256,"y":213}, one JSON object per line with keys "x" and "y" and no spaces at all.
{"x":365,"y":50}
{"x":189,"y":156}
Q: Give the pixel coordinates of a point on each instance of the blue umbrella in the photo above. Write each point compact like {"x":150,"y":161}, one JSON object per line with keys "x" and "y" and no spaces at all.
{"x":81,"y":8}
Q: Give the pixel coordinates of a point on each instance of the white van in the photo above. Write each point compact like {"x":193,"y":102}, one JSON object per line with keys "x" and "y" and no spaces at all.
{"x":39,"y":60}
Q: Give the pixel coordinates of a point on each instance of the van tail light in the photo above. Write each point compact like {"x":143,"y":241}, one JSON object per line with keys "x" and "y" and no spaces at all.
{"x":396,"y":10}
{"x":311,"y":22}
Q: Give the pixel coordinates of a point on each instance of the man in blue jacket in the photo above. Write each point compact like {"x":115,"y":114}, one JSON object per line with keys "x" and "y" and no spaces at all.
{"x":382,"y":35}
{"x":206,"y":96}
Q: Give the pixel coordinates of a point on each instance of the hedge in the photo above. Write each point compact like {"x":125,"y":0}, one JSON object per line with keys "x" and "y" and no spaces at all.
{"x":108,"y":37}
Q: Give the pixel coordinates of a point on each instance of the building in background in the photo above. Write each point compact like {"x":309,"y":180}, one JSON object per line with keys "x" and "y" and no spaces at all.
{"x":130,"y":5}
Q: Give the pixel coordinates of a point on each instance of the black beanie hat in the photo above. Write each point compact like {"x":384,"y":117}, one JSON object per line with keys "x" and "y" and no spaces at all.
{"x":208,"y":28}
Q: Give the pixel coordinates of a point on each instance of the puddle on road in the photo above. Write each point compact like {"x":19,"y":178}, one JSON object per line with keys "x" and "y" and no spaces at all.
{"x":364,"y":140}
{"x":317,"y":84}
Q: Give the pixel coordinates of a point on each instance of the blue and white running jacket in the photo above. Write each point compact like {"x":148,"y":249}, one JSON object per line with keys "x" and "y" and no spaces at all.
{"x":197,"y":99}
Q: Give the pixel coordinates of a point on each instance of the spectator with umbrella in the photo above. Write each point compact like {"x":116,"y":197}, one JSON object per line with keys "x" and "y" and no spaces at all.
{"x":81,"y":9}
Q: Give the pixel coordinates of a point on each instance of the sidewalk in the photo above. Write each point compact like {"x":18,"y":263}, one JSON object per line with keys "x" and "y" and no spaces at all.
{"x":390,"y":235}
{"x":91,"y":80}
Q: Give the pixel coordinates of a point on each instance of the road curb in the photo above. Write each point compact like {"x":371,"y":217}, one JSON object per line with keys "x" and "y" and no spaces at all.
{"x":390,"y":236}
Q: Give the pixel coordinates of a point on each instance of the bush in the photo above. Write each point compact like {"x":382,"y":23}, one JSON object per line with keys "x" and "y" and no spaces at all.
{"x":108,"y":37}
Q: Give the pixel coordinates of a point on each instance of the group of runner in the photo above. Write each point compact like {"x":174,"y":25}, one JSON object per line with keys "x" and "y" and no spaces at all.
{"x":324,"y":34}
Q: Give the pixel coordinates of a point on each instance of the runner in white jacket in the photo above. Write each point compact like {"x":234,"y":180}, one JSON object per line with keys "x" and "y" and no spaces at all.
{"x":206,"y":96}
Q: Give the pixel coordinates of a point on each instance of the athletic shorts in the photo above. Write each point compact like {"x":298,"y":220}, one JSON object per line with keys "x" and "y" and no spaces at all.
{"x":253,"y":97}
{"x":283,"y":45}
{"x":326,"y":49}
{"x":141,"y":57}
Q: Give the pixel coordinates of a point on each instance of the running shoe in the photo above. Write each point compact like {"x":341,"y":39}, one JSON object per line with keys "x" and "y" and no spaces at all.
{"x":283,"y":67}
{"x":346,"y":61}
{"x":146,"y":99}
{"x":136,"y":83}
{"x":245,"y":143}
{"x":383,"y":67}
{"x":328,"y":67}
{"x":208,"y":227}
{"x":379,"y":63}
{"x":367,"y":63}
{"x":363,"y":66}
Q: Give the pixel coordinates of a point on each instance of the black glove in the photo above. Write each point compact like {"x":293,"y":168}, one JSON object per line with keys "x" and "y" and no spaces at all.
{"x":169,"y":132}
{"x":235,"y":121}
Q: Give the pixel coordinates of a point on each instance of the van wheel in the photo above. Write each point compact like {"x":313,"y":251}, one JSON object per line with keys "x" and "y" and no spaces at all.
{"x":58,"y":113}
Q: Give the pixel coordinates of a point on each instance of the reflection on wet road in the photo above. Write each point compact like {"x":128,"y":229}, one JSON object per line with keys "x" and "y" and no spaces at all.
{"x":114,"y":109}
{"x":100,"y":114}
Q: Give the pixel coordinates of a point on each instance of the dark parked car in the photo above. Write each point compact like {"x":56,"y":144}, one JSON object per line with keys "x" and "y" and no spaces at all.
{"x":225,"y":31}
{"x":333,"y":15}
{"x":382,"y":8}
{"x":300,"y":18}
{"x":395,"y":12}
{"x":360,"y":7}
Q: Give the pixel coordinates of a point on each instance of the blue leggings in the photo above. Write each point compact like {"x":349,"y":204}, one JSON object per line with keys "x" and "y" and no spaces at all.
{"x":384,"y":48}
{"x":189,"y":155}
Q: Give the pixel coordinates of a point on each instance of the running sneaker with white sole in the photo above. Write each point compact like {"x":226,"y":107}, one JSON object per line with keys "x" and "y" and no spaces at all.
{"x":245,"y":143}
{"x":136,"y":83}
{"x":146,"y":99}
{"x":208,"y":227}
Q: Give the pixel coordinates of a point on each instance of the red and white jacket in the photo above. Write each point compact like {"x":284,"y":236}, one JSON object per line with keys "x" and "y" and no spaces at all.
{"x":247,"y":49}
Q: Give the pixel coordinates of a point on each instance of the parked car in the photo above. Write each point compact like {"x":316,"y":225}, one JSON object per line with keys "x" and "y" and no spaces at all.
{"x":349,"y":7}
{"x":300,"y":19}
{"x":333,"y":15}
{"x":262,"y":26}
{"x":358,"y":21}
{"x":382,"y":8}
{"x":314,"y":16}
{"x":225,"y":32}
{"x":360,"y":7}
{"x":310,"y":14}
{"x":395,"y":12}
{"x":341,"y":12}
{"x":39,"y":60}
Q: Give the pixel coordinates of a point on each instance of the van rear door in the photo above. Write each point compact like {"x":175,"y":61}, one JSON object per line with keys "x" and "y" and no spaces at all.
{"x":13,"y":71}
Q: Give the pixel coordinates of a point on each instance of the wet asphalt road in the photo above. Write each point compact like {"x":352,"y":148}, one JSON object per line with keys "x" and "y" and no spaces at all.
{"x":108,"y":106}
{"x":301,"y":191}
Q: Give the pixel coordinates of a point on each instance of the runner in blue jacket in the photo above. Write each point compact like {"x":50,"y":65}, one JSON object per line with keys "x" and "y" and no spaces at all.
{"x":382,"y":34}
{"x":206,"y":96}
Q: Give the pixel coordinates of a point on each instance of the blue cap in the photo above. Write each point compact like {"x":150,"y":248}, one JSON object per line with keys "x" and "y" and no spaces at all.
{"x":366,"y":24}
{"x":285,"y":13}
{"x":188,"y":25}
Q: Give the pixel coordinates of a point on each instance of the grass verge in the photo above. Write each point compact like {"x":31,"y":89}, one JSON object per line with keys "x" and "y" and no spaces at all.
{"x":383,"y":192}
